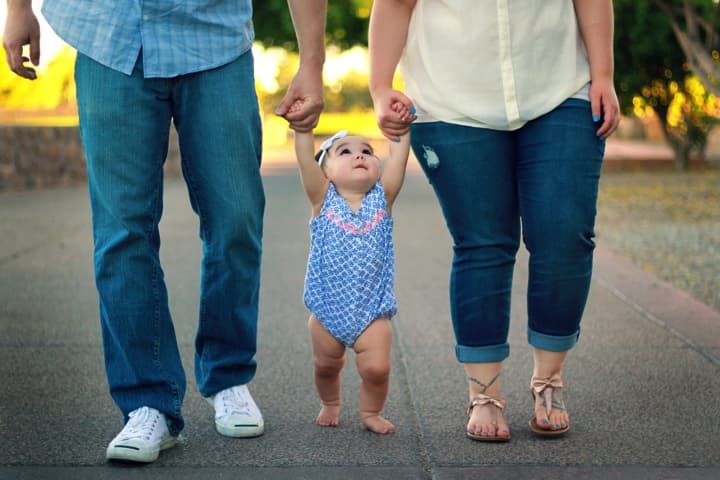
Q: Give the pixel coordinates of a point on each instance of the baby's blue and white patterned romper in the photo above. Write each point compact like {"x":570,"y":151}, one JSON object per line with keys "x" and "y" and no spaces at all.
{"x":351,"y":267}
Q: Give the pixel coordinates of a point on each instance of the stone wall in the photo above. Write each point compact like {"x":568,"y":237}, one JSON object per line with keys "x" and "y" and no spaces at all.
{"x":41,"y":157}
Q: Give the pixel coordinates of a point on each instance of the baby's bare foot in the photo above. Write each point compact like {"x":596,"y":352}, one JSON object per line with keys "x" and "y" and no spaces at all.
{"x":377,"y":424}
{"x":329,"y":416}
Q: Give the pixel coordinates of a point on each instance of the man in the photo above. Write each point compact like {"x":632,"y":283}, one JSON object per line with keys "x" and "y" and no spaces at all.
{"x":141,"y":65}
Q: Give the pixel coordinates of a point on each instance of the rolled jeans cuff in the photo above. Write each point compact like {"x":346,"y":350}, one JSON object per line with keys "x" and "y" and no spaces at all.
{"x":552,"y":343}
{"x":484,"y":354}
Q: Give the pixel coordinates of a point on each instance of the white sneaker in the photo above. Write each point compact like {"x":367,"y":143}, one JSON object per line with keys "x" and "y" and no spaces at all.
{"x":236,"y":414}
{"x":142,"y":438}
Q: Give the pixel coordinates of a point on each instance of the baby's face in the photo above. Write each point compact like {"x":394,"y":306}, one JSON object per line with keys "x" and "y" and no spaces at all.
{"x":352,"y":162}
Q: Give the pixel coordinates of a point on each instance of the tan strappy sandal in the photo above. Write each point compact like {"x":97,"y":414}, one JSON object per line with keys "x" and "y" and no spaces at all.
{"x":483,"y":399}
{"x":547,"y":394}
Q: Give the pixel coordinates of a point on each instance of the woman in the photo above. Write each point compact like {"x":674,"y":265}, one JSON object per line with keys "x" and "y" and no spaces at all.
{"x":514,"y":102}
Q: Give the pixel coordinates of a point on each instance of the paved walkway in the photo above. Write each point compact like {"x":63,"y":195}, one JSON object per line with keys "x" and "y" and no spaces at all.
{"x":642,"y":385}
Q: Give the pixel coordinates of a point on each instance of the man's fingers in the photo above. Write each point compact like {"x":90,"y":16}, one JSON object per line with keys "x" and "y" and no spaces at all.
{"x":35,"y":50}
{"x":16,"y":62}
{"x":309,"y":110}
{"x":283,"y":108}
{"x":304,"y":126}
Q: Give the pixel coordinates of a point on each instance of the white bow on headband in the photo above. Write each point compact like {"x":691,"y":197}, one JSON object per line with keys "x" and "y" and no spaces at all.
{"x":328,"y":143}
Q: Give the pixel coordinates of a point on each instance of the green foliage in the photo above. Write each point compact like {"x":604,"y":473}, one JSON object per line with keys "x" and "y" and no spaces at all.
{"x":652,"y":71}
{"x":347,"y":23}
{"x":645,"y":50}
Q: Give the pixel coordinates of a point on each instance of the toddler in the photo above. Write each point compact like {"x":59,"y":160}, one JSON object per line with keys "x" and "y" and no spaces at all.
{"x":349,"y":280}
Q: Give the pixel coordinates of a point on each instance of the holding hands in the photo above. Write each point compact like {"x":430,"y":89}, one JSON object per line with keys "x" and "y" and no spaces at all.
{"x":394,"y":112}
{"x":303,"y":102}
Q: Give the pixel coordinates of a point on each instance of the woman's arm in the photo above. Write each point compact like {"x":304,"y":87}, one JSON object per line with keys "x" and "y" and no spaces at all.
{"x":595,"y":19}
{"x":313,"y":179}
{"x":389,"y":22}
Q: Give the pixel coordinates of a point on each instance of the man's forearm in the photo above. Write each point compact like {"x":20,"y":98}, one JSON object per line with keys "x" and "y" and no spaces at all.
{"x":308,"y":18}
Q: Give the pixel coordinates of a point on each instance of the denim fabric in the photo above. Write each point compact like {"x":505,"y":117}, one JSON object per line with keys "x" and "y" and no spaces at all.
{"x":124,"y":123}
{"x":541,"y":180}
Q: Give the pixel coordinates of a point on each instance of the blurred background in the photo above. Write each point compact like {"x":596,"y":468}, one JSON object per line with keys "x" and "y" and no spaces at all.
{"x":667,"y":64}
{"x":660,"y":194}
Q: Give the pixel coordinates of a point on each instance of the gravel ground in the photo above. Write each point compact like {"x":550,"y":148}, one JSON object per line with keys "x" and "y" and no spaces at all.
{"x":668,"y":223}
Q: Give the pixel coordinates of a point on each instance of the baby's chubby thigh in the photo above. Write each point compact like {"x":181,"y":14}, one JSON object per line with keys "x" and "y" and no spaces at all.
{"x":328,"y":351}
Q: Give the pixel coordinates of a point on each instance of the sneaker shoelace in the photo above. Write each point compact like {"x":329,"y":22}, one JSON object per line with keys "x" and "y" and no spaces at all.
{"x":141,"y":425}
{"x":234,"y":403}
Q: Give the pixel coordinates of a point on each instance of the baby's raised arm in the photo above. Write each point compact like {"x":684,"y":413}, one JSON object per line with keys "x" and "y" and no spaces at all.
{"x":313,"y":179}
{"x":393,"y":174}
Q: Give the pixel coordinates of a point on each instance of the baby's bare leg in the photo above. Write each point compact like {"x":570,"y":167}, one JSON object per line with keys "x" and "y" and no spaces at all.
{"x":328,"y":361}
{"x":373,"y":364}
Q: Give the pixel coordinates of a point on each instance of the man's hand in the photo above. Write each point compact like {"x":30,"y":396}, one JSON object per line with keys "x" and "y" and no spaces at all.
{"x":21,"y":28}
{"x":304,"y":100}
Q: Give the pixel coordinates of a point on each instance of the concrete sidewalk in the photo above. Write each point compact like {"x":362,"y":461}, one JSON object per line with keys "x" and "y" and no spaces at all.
{"x":642,"y":384}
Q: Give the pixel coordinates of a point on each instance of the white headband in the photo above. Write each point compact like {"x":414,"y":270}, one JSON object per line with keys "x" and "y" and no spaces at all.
{"x":328,"y":143}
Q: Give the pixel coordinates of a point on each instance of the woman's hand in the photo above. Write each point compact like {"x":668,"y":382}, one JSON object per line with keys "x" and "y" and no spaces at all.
{"x":605,"y":106}
{"x":394,"y":113}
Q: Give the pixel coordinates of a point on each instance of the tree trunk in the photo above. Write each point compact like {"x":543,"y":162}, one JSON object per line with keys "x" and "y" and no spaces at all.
{"x":682,"y":155}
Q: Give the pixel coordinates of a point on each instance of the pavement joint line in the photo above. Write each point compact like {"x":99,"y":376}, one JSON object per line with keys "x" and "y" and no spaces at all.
{"x":657,"y":321}
{"x":426,"y":464}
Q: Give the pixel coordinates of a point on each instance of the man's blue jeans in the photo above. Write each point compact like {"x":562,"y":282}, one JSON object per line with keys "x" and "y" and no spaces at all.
{"x":541,"y":179}
{"x":124,"y":123}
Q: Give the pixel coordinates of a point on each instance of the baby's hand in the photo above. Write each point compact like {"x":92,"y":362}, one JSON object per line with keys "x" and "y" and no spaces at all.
{"x":296,"y":106}
{"x":406,"y":115}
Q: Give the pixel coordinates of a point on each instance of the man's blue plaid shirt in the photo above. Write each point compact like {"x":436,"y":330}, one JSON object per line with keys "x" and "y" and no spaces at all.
{"x":176,"y":36}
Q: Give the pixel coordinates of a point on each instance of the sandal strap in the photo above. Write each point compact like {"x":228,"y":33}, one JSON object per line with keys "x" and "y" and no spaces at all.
{"x":484,"y":386}
{"x":540,"y":384}
{"x":545,"y":387}
{"x":482,"y":399}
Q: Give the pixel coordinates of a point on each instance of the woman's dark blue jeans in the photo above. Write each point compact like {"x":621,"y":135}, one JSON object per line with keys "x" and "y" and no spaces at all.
{"x":125,"y":122}
{"x":541,"y":180}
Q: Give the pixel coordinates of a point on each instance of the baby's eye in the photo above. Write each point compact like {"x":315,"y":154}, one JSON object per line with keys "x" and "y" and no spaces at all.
{"x":345,"y":151}
{"x":367,"y":151}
